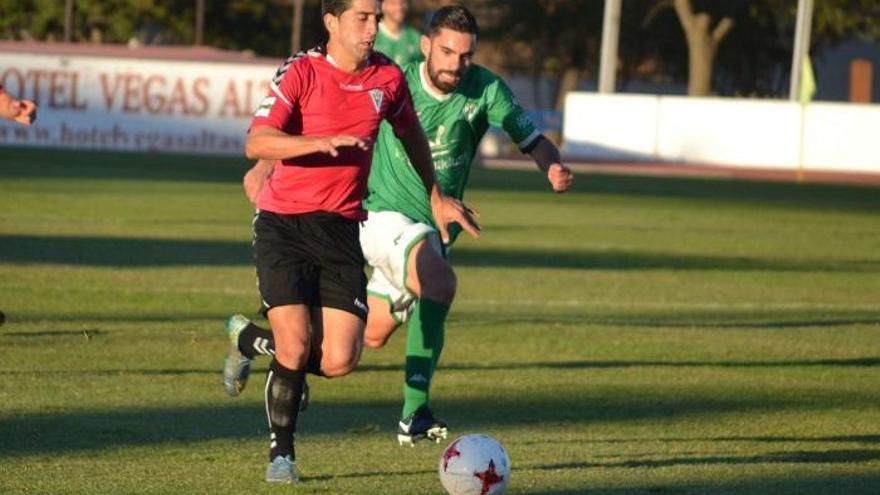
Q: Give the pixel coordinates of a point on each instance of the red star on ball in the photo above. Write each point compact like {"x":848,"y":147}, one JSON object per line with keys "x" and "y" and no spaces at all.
{"x":449,"y":454}
{"x":489,"y":477}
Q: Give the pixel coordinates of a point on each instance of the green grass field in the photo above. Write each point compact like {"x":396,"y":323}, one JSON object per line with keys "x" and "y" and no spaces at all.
{"x":638,"y":336}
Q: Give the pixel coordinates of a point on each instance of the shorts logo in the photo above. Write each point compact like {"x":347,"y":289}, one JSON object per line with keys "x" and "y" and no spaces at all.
{"x":377,"y":96}
{"x":360,"y":305}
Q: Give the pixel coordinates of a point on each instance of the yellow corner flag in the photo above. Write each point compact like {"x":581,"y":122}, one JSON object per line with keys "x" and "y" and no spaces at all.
{"x":808,"y":82}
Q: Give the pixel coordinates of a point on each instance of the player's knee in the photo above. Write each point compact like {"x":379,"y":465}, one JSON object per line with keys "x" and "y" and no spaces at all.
{"x":442,"y":289}
{"x":337,"y":370}
{"x":374,"y":342}
{"x":378,"y":332}
{"x":294,"y":359}
{"x":341,"y":364}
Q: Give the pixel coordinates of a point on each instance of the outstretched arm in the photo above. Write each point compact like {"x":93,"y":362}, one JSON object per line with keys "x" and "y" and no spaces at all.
{"x":546,"y":156}
{"x":22,"y":111}
{"x":445,"y":209}
{"x":268,"y":143}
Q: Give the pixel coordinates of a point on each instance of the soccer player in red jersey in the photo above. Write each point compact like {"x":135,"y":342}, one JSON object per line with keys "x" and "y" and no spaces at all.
{"x":22,"y":111}
{"x":319,"y":122}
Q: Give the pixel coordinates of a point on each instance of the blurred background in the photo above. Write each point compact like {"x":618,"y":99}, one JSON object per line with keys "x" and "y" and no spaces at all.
{"x":546,"y":49}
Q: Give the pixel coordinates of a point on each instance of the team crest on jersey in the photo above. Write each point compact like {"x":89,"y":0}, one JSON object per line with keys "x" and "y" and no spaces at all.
{"x":377,"y":96}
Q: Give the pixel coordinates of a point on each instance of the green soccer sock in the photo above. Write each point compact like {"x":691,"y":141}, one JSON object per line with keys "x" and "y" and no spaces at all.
{"x":424,"y":343}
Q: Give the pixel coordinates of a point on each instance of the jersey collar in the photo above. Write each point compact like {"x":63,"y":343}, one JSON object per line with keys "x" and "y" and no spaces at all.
{"x":335,"y":65}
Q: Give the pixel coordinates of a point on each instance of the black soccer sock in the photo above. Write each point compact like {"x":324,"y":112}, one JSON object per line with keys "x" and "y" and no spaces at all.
{"x":254,"y":340}
{"x":284,"y":389}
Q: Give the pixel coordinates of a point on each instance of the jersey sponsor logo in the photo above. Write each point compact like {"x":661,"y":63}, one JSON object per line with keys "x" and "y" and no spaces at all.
{"x":351,"y":87}
{"x":265,"y":106}
{"x":448,"y":162}
{"x":438,"y":137}
{"x":442,"y":145}
{"x":377,"y":97}
{"x":444,"y":149}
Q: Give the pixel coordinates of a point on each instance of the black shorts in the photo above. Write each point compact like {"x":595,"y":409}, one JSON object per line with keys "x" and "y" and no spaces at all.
{"x":313,"y":259}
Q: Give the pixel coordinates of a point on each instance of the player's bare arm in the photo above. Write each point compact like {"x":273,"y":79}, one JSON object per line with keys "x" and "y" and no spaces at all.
{"x":22,"y":111}
{"x":256,"y":177}
{"x":444,"y":208}
{"x":546,"y":156}
{"x":268,"y":143}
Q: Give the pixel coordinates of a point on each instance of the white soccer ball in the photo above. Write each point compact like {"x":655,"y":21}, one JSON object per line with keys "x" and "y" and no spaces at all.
{"x":474,"y":465}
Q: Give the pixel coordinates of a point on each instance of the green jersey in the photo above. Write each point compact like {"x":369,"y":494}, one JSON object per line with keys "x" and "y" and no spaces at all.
{"x":454,"y":123}
{"x":403,"y":48}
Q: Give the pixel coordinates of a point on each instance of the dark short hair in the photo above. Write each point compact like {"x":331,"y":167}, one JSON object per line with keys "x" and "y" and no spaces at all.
{"x":454,"y":17}
{"x":335,"y":7}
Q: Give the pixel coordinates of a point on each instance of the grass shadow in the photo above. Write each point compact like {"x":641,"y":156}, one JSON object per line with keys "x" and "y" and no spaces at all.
{"x":683,"y":318}
{"x":846,"y":456}
{"x":623,"y":364}
{"x":139,"y":252}
{"x":120,"y":251}
{"x":41,"y":163}
{"x":849,"y":483}
{"x":801,"y":196}
{"x":645,"y":260}
{"x":20,"y":163}
{"x":88,"y":430}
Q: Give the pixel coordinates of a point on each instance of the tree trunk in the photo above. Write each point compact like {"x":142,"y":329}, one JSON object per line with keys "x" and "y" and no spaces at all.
{"x":296,"y":32}
{"x":702,"y":43}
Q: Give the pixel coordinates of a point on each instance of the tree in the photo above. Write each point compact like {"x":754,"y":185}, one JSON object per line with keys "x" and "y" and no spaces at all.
{"x":258,"y":25}
{"x":751,"y":40}
{"x":703,"y":37}
{"x":555,"y":37}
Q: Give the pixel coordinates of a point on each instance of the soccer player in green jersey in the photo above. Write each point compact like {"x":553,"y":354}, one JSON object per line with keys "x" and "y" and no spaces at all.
{"x":412,"y":281}
{"x":395,"y":38}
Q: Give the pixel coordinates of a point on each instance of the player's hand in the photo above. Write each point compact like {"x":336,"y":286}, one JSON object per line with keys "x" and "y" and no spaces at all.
{"x":256,"y":177}
{"x":331,"y":145}
{"x":447,"y":210}
{"x":560,"y":177}
{"x":27,"y":112}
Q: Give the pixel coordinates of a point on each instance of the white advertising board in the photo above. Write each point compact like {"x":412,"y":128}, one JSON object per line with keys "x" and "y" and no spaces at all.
{"x":842,"y":137}
{"x":731,"y":132}
{"x":612,"y":127}
{"x":728,"y":131}
{"x":110,"y":103}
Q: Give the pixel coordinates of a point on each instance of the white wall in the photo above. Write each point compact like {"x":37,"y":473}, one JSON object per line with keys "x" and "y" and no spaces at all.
{"x":723,"y":131}
{"x":728,"y":131}
{"x":116,"y":103}
{"x":842,"y":137}
{"x":623,"y":127}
